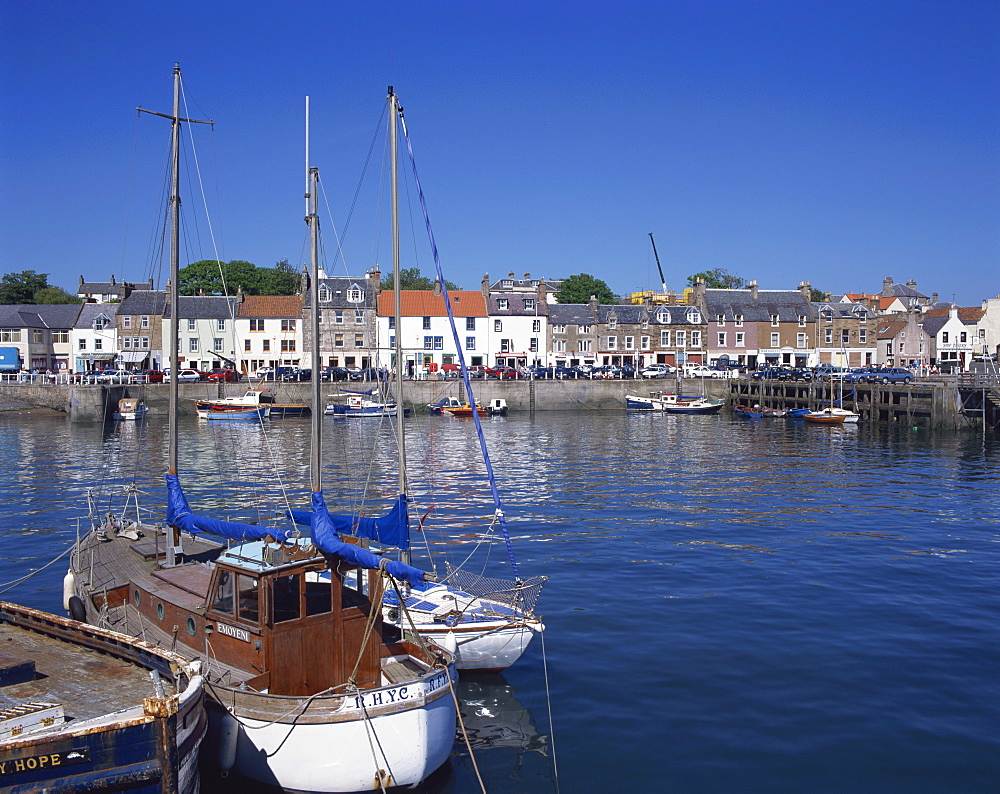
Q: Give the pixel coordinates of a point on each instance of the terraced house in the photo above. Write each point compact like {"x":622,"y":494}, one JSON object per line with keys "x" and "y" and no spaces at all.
{"x":268,"y":332}
{"x":139,"y":327}
{"x":518,"y":323}
{"x":207,"y":331}
{"x":348,"y":326}
{"x":41,"y":333}
{"x":755,"y":326}
{"x":847,"y":334}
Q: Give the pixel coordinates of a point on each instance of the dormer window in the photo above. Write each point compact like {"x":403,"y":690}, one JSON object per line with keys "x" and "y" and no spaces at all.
{"x":738,"y":321}
{"x":720,"y":320}
{"x":325,"y":294}
{"x":694,"y":316}
{"x":774,"y":319}
{"x":828,"y":315}
{"x":663,"y":317}
{"x":507,"y":283}
{"x":355,"y":295}
{"x":802,"y":321}
{"x":529,"y":304}
{"x":612,"y":323}
{"x":503,"y":304}
{"x":100,"y":323}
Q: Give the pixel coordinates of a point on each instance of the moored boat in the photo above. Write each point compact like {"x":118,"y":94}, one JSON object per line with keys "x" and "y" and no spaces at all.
{"x":696,"y":406}
{"x":452,"y":406}
{"x":359,"y":405}
{"x":747,"y":412}
{"x":131,"y":409}
{"x":832,"y":416}
{"x":86,"y":709}
{"x":252,"y":398}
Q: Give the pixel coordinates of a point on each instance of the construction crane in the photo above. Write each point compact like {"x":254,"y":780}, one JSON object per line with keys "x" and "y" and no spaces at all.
{"x":662,"y":279}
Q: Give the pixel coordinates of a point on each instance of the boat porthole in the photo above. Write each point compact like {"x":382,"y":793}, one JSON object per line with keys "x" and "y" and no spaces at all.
{"x":190,"y":626}
{"x":159,"y":610}
{"x":135,"y":597}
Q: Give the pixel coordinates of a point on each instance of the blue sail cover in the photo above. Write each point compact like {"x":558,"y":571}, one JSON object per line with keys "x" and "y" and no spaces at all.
{"x":179,"y":515}
{"x":392,"y":529}
{"x":324,"y":535}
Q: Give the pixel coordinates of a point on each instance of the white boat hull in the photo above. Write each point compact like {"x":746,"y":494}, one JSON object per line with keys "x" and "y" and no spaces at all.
{"x":492,"y":647}
{"x":393,"y":747}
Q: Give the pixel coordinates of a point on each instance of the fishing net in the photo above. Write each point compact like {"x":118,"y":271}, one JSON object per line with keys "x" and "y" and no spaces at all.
{"x":506,"y":595}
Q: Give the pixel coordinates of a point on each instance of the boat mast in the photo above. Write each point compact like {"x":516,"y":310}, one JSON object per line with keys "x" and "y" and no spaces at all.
{"x":395,"y":112}
{"x":312,"y":219}
{"x":175,"y":236}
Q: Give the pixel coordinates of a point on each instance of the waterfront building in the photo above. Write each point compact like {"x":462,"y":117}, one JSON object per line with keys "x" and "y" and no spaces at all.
{"x":425,"y":332}
{"x":544,"y":288}
{"x":899,"y":298}
{"x":988,"y":339}
{"x":518,"y":324}
{"x":348,"y":326}
{"x":846,"y":334}
{"x":268,"y":332}
{"x":572,"y":334}
{"x":40,"y":332}
{"x":953,"y":333}
{"x":207,"y":331}
{"x":754,"y":326}
{"x":902,"y":341}
{"x":139,"y":330}
{"x":108,"y":291}
{"x":94,"y":337}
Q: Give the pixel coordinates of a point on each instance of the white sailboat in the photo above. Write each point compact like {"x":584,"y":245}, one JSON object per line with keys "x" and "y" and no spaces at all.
{"x":308,"y":690}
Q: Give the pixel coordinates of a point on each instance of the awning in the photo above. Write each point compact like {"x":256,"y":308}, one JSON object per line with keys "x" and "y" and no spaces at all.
{"x":132,"y":356}
{"x":85,"y":357}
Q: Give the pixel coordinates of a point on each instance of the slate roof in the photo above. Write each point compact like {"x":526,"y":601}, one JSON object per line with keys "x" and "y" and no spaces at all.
{"x":515,"y":302}
{"x":90,"y":311}
{"x":59,"y":315}
{"x":571,"y":314}
{"x":339,"y":287}
{"x":787,"y":304}
{"x":204,"y":307}
{"x":143,"y":301}
{"x":424,"y":303}
{"x":903,"y":291}
{"x":110,"y":287}
{"x":526,"y":284}
{"x":934,"y":324}
{"x":277,"y":306}
{"x":843,"y":310}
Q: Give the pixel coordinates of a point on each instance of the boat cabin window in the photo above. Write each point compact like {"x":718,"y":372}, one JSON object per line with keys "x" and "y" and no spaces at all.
{"x":286,"y":598}
{"x":318,"y":595}
{"x":222,"y":601}
{"x":248,"y":589}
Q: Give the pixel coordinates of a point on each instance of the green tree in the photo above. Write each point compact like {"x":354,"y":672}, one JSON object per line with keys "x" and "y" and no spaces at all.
{"x":224,"y":278}
{"x":55,"y":295}
{"x":818,"y":296}
{"x":717,"y":278}
{"x":579,"y":288}
{"x":21,"y":287}
{"x":410,"y":278}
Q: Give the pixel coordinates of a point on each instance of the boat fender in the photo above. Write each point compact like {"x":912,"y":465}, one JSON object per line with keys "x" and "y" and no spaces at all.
{"x":392,"y":615}
{"x":77,"y":610}
{"x":228,"y":736}
{"x":449,"y":643}
{"x":69,"y":588}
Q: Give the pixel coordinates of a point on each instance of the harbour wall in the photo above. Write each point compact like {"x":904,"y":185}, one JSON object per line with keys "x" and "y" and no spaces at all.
{"x":933,"y":404}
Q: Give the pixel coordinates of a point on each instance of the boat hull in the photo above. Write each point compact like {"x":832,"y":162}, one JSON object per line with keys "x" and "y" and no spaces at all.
{"x":393,"y":736}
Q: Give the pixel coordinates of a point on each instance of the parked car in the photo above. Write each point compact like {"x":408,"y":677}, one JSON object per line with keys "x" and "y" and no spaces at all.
{"x":264,"y":373}
{"x":334,"y":373}
{"x":860,"y":375}
{"x":477,"y":371}
{"x":704,"y":372}
{"x":892,"y":375}
{"x":369,"y":373}
{"x":297,"y":374}
{"x":183,"y":376}
{"x":771,"y":373}
{"x":113,"y":376}
{"x":828,"y":372}
{"x":147,"y":376}
{"x":225,"y":375}
{"x":800,"y":373}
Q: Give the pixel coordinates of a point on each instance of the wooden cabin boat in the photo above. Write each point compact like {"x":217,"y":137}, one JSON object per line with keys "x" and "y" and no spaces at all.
{"x":251,"y":398}
{"x":131,"y":409}
{"x":454,"y":407}
{"x":832,"y":416}
{"x":87,"y":709}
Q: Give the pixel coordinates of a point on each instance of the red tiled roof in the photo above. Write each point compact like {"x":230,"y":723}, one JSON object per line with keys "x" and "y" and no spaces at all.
{"x":970,"y":315}
{"x":271,"y":306}
{"x":424,"y":303}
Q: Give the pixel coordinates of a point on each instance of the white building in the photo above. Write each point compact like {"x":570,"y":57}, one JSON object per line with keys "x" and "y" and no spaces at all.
{"x":518,"y":329}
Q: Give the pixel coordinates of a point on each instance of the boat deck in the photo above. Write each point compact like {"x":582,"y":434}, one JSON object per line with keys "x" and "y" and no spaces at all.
{"x":86,"y":683}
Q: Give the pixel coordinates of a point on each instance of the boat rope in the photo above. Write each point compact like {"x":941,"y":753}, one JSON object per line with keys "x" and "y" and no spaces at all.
{"x":12,"y":584}
{"x":380,"y":774}
{"x":465,"y":735}
{"x":548,"y":703}
{"x":373,"y":613}
{"x":459,"y":347}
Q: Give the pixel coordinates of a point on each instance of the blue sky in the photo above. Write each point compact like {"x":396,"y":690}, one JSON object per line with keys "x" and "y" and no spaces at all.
{"x":834,"y":142}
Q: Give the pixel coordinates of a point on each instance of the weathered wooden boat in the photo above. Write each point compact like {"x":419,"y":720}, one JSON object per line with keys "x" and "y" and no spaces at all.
{"x":307,"y":689}
{"x":252,"y":398}
{"x":832,"y":416}
{"x":796,"y":413}
{"x":697,"y":406}
{"x":656,"y":401}
{"x":87,"y":709}
{"x":452,"y":406}
{"x":131,"y":409}
{"x":746,"y":412}
{"x":225,"y":412}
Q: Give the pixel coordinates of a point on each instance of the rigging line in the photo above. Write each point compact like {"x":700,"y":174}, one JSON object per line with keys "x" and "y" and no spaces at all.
{"x":333,"y":226}
{"x":461,"y":354}
{"x":131,"y":186}
{"x":11,"y":585}
{"x":548,"y":702}
{"x":465,"y":735}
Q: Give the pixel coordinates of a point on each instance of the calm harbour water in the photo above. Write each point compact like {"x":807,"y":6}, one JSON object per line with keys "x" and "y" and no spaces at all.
{"x":732,"y":606}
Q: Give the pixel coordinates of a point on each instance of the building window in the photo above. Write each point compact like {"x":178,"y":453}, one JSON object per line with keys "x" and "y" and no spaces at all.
{"x":533,"y":344}
{"x":392,"y":323}
{"x":612,"y":343}
{"x":324,"y":294}
{"x":828,"y":316}
{"x":355,"y":295}
{"x":774,"y":319}
{"x":721,"y":320}
{"x":470,"y":343}
{"x":845,"y":336}
{"x":694,"y":316}
{"x":144,"y":321}
{"x":428,"y":343}
{"x":126,"y":323}
{"x":266,"y":346}
{"x":507,"y":283}
{"x":963,"y":336}
{"x":191,"y":325}
{"x":246,"y":345}
{"x":800,"y":340}
{"x":256,"y":324}
{"x":338,"y":317}
{"x":559,"y":329}
{"x":287,"y":326}
{"x":586,"y":329}
{"x":536,"y":326}
{"x":217,"y":344}
{"x":863,"y":336}
{"x":529,"y":304}
{"x":664,"y":338}
{"x":630,"y":343}
{"x":359,"y":317}
{"x":359,"y":340}
{"x":83,"y":344}
{"x":497,"y":326}
{"x":722,"y":339}
{"x":944,"y":337}
{"x":193,"y":345}
{"x":220,"y":325}
{"x":584,"y":345}
{"x":338,"y":340}
{"x":100,"y":323}
{"x":506,"y":345}
{"x":680,"y":339}
{"x":739,"y":339}
{"x":802,"y":321}
{"x":503,"y":304}
{"x":98,"y":344}
{"x":644,"y":343}
{"x":60,"y":337}
{"x":663,"y":317}
{"x":612,"y":323}
{"x":427,"y":323}
{"x":144,"y":342}
{"x":696,"y":339}
{"x":738,"y":322}
{"x":827,"y":336}
{"x":559,"y":345}
{"x":470,"y":323}
{"x":775,"y":342}
{"x":36,"y":337}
